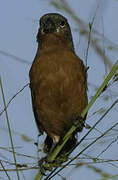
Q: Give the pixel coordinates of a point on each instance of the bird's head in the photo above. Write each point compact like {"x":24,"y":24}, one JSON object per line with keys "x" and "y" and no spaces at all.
{"x":53,"y":23}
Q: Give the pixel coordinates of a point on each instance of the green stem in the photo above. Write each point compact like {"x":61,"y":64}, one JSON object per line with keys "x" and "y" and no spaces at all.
{"x":9,"y":129}
{"x":5,"y":170}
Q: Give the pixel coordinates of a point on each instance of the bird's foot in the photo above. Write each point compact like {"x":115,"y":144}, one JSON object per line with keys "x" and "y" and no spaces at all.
{"x":44,"y":165}
{"x":41,"y":165}
{"x":78,"y":121}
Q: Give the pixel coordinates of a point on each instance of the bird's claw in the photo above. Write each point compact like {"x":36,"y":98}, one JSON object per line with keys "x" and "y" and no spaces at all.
{"x":79,"y":122}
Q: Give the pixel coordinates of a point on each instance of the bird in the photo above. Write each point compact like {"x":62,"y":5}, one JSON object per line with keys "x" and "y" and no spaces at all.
{"x":58,"y":82}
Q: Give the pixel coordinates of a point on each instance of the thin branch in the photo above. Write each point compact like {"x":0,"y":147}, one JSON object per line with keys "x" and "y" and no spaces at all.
{"x":89,"y":36}
{"x":108,"y":147}
{"x":13,"y":98}
{"x":18,"y":154}
{"x":14,"y":57}
{"x":21,"y":169}
{"x":5,"y":170}
{"x":9,"y":129}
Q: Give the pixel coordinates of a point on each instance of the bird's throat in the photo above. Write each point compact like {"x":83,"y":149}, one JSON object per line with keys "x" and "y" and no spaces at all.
{"x":52,"y":42}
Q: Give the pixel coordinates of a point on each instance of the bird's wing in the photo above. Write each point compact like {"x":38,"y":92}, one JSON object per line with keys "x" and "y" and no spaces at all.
{"x":40,"y":127}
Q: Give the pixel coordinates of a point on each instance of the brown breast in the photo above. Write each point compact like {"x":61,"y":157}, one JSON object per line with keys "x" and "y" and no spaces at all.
{"x":58,"y":84}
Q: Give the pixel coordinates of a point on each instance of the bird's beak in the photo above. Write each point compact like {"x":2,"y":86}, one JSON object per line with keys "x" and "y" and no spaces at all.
{"x":48,"y":26}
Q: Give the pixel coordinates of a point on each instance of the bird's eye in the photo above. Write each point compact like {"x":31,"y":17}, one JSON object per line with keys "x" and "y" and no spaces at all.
{"x":62,"y":24}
